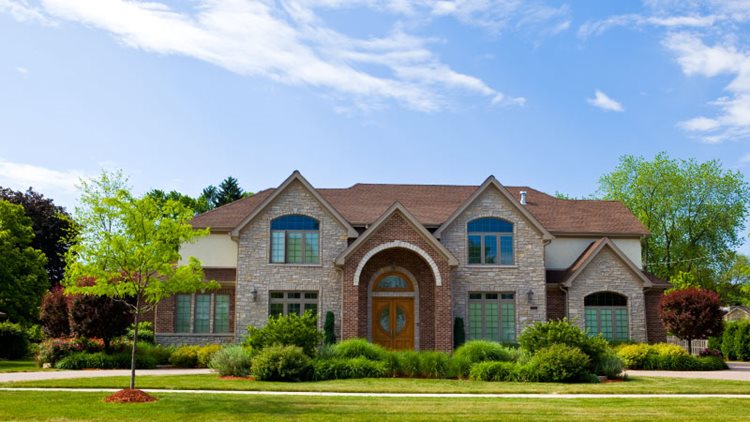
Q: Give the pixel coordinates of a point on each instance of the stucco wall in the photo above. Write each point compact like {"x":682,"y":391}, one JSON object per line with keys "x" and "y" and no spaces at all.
{"x":256,"y":271}
{"x":526,"y":274}
{"x":561,"y":252}
{"x":214,"y":250}
{"x":608,"y":273}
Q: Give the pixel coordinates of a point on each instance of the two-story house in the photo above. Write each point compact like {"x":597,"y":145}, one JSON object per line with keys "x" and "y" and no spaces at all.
{"x":400,"y":264}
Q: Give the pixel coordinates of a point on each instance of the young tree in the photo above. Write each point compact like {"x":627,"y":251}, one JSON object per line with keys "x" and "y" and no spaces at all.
{"x":99,"y":316}
{"x":23,"y":279}
{"x":52,"y":227}
{"x":54,"y":315}
{"x":694,"y":211}
{"x":692,"y":313}
{"x":126,"y":245}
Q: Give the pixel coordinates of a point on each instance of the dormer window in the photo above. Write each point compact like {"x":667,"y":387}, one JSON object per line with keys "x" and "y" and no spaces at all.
{"x":295,"y":240}
{"x":490,"y":241}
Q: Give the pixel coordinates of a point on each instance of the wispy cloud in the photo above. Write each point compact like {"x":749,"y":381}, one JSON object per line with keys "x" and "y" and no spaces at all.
{"x":593,"y":28}
{"x":23,"y":11}
{"x":290,"y":43}
{"x":58,"y":184}
{"x":22,"y":70}
{"x":604,"y":102}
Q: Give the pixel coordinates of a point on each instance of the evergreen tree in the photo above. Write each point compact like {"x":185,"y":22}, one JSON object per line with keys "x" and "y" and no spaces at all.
{"x":229,"y":191}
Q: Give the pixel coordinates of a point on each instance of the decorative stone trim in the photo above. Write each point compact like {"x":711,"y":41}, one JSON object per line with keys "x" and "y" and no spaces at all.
{"x":398,"y":244}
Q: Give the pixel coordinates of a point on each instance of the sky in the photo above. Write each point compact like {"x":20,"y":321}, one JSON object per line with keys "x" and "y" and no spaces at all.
{"x":548,"y":94}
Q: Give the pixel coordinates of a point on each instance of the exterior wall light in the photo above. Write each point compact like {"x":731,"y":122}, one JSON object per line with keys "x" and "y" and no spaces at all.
{"x":254,"y":294}
{"x":530,"y":296}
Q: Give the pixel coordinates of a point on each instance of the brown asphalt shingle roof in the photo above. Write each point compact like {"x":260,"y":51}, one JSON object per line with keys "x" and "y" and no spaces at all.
{"x":432,"y":205}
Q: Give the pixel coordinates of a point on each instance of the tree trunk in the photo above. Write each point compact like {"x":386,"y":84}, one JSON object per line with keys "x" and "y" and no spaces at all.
{"x":690,"y":346}
{"x":135,"y":341}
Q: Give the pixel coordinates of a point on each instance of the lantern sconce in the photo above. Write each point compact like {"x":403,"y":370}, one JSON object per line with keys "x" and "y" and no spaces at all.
{"x":254,"y":294}
{"x":530,"y":296}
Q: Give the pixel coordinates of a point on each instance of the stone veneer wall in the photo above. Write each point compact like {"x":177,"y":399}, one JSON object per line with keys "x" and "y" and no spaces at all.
{"x":255,"y":270}
{"x":654,"y":328}
{"x":556,"y":303}
{"x":397,"y":228}
{"x":526,"y":274}
{"x":608,"y":273}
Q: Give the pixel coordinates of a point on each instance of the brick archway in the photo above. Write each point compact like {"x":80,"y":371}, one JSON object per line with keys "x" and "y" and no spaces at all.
{"x":398,"y":244}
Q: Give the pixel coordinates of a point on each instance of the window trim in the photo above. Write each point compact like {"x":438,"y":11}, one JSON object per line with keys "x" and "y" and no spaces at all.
{"x":498,"y":236}
{"x":499,"y":301}
{"x":286,"y":242}
{"x":285,"y":301}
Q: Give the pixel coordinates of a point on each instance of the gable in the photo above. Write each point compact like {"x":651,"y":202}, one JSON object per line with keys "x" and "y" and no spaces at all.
{"x":602,"y":260}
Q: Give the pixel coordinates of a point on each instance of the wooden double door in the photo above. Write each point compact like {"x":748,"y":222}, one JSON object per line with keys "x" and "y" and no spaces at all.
{"x":393,"y":322}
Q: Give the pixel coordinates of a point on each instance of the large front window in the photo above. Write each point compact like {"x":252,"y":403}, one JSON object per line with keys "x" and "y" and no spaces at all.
{"x":492,"y":316}
{"x":295,"y":240}
{"x":606,"y":313}
{"x":285,"y":303}
{"x":490,"y":241}
{"x":194,"y":313}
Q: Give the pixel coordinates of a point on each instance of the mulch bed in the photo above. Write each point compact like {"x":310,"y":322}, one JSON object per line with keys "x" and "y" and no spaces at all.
{"x":130,"y":396}
{"x":229,"y":377}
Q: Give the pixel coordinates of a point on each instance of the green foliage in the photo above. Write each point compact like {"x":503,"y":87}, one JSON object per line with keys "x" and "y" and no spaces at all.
{"x":559,"y":363}
{"x":735,"y":341}
{"x":101,"y":360}
{"x":329,"y":335}
{"x":52,"y":227}
{"x":494,"y":371}
{"x":663,"y":356}
{"x":205,"y":353}
{"x":229,"y":191}
{"x":359,"y":347}
{"x":287,"y":330}
{"x":232,"y":361}
{"x":610,"y":365}
{"x":282,"y":363}
{"x":459,"y":333}
{"x":145,"y":332}
{"x":359,"y":367}
{"x":694,"y":211}
{"x":157,"y":352}
{"x":545,"y":334}
{"x":185,"y":357}
{"x":52,"y":350}
{"x":424,"y":364}
{"x":14,"y":341}
{"x":23,"y":278}
{"x":475,"y":351}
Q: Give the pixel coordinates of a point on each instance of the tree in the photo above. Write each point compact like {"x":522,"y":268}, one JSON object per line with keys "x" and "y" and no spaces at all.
{"x":735,"y":282}
{"x":126,"y":247}
{"x":691,"y":313}
{"x":209,"y":196}
{"x":54,"y":315}
{"x":229,"y":191}
{"x":52,"y":227}
{"x":23,"y":279}
{"x":99,"y":316}
{"x":694,"y":211}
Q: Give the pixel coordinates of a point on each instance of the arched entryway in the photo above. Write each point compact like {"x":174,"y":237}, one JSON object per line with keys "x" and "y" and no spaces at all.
{"x":394,"y":309}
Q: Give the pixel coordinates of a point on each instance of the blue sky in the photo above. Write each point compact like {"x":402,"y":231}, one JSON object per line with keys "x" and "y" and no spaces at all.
{"x":548,"y":94}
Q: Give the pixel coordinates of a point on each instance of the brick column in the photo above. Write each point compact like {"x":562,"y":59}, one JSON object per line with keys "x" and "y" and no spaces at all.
{"x":443,"y":312}
{"x":350,"y":303}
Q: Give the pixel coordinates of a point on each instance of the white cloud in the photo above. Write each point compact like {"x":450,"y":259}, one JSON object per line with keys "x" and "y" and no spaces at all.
{"x":61,"y":186}
{"x":22,"y":11}
{"x":745,"y":159}
{"x":22,"y":70}
{"x":604,"y":102}
{"x":592,"y":28}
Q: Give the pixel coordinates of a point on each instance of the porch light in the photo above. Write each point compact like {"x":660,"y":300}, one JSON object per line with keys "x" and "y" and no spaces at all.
{"x":254,"y":294}
{"x":530,"y":296}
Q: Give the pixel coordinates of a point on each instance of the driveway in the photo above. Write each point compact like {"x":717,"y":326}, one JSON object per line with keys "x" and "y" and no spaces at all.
{"x":58,"y":375}
{"x":738,"y":371}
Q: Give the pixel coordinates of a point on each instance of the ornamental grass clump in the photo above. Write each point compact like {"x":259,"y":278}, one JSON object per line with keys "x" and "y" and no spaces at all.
{"x":231,"y":361}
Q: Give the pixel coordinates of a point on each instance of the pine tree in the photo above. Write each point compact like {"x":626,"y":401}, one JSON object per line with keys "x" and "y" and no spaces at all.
{"x":229,"y":191}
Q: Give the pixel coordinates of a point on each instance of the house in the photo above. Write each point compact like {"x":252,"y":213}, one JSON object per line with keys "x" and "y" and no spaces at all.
{"x":736,"y":313}
{"x":400,"y":264}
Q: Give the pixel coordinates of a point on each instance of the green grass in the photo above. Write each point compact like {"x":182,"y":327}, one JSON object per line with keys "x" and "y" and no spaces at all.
{"x":641,"y":385}
{"x":182,"y":407}
{"x":19,"y":366}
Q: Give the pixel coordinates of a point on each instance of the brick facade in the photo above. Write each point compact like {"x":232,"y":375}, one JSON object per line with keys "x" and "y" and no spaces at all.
{"x":654,"y":328}
{"x":556,"y":302}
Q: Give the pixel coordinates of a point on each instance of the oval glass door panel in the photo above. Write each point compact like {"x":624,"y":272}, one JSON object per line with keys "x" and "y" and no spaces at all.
{"x":400,"y":319}
{"x":385,"y":319}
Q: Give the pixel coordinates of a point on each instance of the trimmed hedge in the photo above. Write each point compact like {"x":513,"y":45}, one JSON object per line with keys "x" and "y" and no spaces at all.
{"x":14,"y":341}
{"x":101,"y":360}
{"x":287,"y":330}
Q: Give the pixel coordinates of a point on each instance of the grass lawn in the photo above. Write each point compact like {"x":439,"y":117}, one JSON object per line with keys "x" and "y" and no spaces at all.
{"x":176,"y":407}
{"x":641,"y":385}
{"x":19,"y":366}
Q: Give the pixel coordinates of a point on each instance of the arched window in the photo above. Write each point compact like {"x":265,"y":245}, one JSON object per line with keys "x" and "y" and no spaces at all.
{"x":485,"y":237}
{"x":295,"y":240}
{"x":607,"y":313}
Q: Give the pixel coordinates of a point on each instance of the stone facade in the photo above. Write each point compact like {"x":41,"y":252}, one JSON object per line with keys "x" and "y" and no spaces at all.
{"x":165,"y":320}
{"x":526,"y":274}
{"x":254,"y":270}
{"x":607,"y":273}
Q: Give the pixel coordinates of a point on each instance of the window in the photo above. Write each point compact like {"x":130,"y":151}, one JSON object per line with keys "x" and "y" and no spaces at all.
{"x":490,"y":241}
{"x":492,"y":316}
{"x":194,"y":313}
{"x":607,"y":313}
{"x":285,"y":303}
{"x":295,"y":240}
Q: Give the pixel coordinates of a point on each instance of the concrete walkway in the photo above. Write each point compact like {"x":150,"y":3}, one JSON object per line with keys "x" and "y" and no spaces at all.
{"x":398,"y":395}
{"x":738,"y":371}
{"x":94,"y":373}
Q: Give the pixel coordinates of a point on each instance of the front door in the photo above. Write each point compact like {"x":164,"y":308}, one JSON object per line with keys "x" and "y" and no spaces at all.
{"x":393,"y":322}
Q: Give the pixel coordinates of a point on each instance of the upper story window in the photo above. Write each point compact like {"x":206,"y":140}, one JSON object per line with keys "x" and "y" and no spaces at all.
{"x":295,"y":240}
{"x":490,"y":241}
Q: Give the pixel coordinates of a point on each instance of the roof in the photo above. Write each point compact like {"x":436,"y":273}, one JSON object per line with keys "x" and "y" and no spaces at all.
{"x":362,"y":204}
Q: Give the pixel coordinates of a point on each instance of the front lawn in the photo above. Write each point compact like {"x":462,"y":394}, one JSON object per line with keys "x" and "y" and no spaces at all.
{"x":181,"y":407}
{"x":19,"y":366}
{"x":635,"y":385}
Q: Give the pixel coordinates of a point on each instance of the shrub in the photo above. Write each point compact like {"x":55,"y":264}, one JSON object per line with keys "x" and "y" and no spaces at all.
{"x":159,"y":353}
{"x":711,"y":363}
{"x":101,"y":360}
{"x":145,"y":332}
{"x":692,"y":313}
{"x":637,"y":356}
{"x":329,"y":334}
{"x":204,"y":354}
{"x":99,"y":316}
{"x":493,"y":371}
{"x":185,"y":357}
{"x":406,"y":363}
{"x":53,"y":314}
{"x":433,"y":364}
{"x":231,"y":361}
{"x":14,"y":341}
{"x":727,"y":340}
{"x":714,"y":342}
{"x":610,"y":365}
{"x":52,"y":350}
{"x":358,"y":367}
{"x":359,"y":347}
{"x":742,"y":341}
{"x":281,"y":363}
{"x":559,"y":363}
{"x":475,"y":351}
{"x":710,"y":352}
{"x":544,"y":334}
{"x":287,"y":330}
{"x":459,"y":332}
{"x":666,"y":357}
